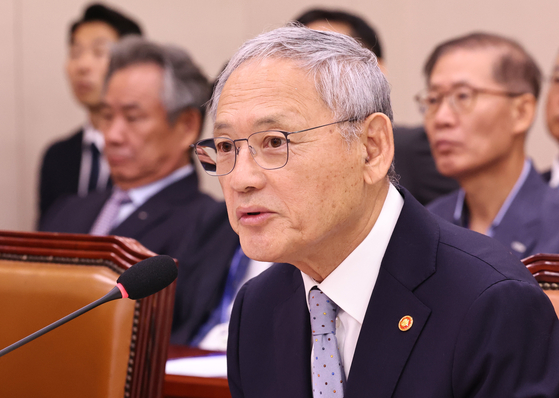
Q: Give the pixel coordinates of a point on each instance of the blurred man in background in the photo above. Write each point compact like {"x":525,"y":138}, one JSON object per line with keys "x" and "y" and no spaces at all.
{"x":77,"y":164}
{"x":479,"y":104}
{"x":151,"y":112}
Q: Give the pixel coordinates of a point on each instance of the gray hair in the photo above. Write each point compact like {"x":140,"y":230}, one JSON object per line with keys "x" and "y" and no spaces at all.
{"x":346,"y":75}
{"x":513,"y":67}
{"x":184,"y":84}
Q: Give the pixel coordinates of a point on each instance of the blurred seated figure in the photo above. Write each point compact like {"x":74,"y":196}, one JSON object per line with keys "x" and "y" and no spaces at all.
{"x":413,"y":160}
{"x":479,"y":104}
{"x":213,"y":335}
{"x":152,"y":110}
{"x":552,"y":118}
{"x":76,"y":164}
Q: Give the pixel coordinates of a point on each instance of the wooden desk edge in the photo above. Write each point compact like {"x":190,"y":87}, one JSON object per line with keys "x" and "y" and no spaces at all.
{"x":176,"y":386}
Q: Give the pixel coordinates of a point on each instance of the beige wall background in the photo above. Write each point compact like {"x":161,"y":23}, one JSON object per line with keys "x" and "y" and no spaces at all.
{"x":36,"y":105}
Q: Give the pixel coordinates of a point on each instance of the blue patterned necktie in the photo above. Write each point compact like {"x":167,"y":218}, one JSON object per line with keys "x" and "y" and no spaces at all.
{"x":328,"y":376}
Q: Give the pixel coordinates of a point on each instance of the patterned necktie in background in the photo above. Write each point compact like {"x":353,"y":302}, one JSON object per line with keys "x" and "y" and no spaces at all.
{"x":220,"y":314}
{"x":328,"y":374}
{"x":106,"y":218}
{"x":95,"y":167}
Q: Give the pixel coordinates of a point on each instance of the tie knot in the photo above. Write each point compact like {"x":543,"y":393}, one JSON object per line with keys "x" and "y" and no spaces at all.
{"x":323,"y":313}
{"x":120,"y":197}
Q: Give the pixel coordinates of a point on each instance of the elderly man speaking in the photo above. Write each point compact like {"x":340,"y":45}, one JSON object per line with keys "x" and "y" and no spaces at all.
{"x":373,"y":296}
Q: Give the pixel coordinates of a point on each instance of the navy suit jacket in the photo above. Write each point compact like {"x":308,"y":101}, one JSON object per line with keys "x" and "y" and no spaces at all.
{"x":482,"y":327}
{"x":60,"y":171}
{"x":530,"y":225}
{"x":178,"y":221}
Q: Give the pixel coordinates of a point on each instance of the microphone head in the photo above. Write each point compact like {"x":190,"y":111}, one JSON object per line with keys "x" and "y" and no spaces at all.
{"x":148,"y":276}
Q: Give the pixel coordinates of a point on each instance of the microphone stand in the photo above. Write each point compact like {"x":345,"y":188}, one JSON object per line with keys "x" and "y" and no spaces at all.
{"x":114,"y":294}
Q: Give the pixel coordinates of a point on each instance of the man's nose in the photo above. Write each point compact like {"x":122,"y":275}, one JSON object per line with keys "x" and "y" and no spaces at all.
{"x":247,"y":174}
{"x":84,"y":61}
{"x":445,"y":114}
{"x":114,"y":131}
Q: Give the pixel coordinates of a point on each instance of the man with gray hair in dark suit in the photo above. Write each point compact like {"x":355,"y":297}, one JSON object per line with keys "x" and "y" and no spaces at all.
{"x":152,"y":111}
{"x":371,"y":295}
{"x":479,"y":105}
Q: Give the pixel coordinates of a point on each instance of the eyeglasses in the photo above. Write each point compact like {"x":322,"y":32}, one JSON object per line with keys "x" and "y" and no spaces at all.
{"x":269,"y":149}
{"x":461,"y":98}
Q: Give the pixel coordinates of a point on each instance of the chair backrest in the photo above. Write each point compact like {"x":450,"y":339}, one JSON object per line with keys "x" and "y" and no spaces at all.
{"x":116,"y":350}
{"x":545,"y":268}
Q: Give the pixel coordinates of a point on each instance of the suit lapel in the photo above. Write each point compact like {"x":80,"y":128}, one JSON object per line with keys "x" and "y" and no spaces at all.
{"x":296,"y":368}
{"x":383,"y":349}
{"x":520,"y":229}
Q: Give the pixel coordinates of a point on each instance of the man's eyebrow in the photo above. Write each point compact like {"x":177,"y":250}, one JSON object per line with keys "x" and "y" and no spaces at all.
{"x":130,"y":106}
{"x":268,"y":121}
{"x":221,"y":126}
{"x":101,"y":41}
{"x":453,"y":85}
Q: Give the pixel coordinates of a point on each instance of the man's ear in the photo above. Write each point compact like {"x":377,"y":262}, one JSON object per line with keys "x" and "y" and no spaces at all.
{"x":524,"y":112}
{"x":188,"y":125}
{"x":378,"y":147}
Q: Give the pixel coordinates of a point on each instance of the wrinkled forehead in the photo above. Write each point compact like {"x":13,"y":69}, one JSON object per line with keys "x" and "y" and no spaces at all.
{"x":269,"y":64}
{"x":270,"y":85}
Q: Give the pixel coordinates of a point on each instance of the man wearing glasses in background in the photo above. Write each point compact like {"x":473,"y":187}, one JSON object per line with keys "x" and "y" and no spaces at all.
{"x":371,"y":295}
{"x":479,"y":104}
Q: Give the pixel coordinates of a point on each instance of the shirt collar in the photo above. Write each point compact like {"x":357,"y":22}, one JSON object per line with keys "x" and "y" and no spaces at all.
{"x":140,"y":195}
{"x":351,"y":284}
{"x":461,"y":212}
{"x":554,"y":180}
{"x":93,"y":136}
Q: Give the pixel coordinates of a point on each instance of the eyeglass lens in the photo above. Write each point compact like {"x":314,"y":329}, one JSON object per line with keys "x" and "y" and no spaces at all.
{"x":461,"y":99}
{"x":218,"y":155}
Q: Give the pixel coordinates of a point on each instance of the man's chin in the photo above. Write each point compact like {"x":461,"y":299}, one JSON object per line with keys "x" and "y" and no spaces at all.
{"x":259,"y":251}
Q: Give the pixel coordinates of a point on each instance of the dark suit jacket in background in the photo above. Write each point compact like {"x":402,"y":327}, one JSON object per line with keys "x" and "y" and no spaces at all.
{"x":532,"y":218}
{"x":415,"y":165}
{"x":60,"y":171}
{"x":179,"y":221}
{"x":482,"y":327}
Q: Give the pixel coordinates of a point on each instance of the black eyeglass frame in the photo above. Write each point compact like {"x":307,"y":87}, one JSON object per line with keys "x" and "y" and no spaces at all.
{"x":251,"y":149}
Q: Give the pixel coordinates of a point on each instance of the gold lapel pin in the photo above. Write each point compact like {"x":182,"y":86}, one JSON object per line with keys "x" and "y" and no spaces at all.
{"x":405,"y":323}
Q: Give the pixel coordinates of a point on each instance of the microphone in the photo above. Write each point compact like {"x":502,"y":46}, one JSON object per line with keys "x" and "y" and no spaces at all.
{"x":141,"y":280}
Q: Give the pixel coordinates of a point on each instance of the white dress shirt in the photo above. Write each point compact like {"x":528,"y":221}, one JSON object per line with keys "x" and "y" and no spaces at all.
{"x":554,"y":180}
{"x":351,"y":284}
